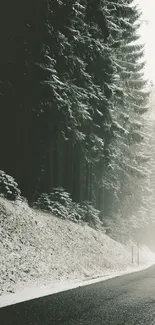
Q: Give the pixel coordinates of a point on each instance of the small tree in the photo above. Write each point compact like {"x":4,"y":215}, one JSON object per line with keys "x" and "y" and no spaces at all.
{"x":8,"y":187}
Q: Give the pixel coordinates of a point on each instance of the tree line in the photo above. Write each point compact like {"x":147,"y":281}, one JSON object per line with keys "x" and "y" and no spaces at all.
{"x":73,"y":99}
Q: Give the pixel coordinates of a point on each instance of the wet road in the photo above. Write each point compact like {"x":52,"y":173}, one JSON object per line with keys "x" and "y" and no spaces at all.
{"x":126,"y":300}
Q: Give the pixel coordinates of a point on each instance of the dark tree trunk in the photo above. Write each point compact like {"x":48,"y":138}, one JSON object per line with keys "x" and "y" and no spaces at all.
{"x":90,"y":182}
{"x":76,"y":187}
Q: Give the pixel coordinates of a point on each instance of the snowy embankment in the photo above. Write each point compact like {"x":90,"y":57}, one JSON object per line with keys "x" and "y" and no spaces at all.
{"x":47,"y":254}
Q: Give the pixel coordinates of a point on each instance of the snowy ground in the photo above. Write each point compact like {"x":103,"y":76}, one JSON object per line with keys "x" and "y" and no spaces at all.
{"x":34,"y":292}
{"x":41,"y":254}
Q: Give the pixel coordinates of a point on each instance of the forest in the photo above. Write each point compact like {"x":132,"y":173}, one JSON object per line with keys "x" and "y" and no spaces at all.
{"x":75,"y":106}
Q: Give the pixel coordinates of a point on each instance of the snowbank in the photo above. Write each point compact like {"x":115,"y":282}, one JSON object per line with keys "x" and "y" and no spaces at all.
{"x":39,"y":250}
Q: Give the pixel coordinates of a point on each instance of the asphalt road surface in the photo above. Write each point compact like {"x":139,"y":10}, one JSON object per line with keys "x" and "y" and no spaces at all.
{"x":125,"y":300}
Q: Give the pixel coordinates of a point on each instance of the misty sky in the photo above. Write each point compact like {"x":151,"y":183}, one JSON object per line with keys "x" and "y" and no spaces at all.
{"x":148,"y":35}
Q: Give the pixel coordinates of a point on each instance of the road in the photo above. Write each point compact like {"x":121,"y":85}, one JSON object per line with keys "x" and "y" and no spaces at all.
{"x":125,"y":300}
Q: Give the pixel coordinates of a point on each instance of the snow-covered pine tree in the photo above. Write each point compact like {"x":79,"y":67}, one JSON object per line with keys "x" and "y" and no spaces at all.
{"x":129,"y":103}
{"x":81,"y":96}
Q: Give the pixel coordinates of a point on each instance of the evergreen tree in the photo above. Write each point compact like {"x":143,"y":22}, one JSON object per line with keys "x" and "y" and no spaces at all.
{"x":72,"y":85}
{"x":128,"y":104}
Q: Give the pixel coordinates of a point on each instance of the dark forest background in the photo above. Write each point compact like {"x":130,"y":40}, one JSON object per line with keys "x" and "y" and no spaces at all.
{"x":73,"y":103}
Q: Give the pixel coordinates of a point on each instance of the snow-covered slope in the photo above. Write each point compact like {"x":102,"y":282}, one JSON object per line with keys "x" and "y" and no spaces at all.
{"x":39,"y":249}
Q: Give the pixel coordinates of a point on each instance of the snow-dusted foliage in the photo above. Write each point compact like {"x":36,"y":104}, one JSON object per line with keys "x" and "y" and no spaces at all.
{"x":126,"y":172}
{"x":60,"y":204}
{"x":8,"y":187}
